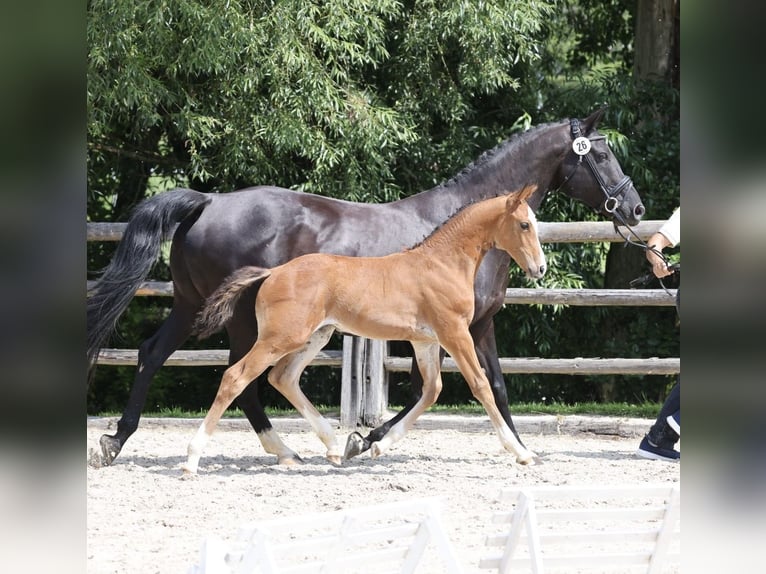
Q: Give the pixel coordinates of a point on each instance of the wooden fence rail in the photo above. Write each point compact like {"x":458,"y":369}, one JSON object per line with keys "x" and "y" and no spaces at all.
{"x":549,"y":232}
{"x":365,"y":364}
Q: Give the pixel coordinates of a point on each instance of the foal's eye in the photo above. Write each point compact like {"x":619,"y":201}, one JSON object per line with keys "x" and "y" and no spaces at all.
{"x":524,"y":225}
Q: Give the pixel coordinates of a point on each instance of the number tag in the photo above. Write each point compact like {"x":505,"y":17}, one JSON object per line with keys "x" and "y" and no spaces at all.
{"x":581,"y":145}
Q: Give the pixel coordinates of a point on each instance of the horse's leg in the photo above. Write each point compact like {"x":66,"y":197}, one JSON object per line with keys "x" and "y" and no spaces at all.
{"x":459,"y":345}
{"x":357,"y":444}
{"x":243,"y":333}
{"x":151,"y":355}
{"x":429,"y":363}
{"x":233,"y":382}
{"x":285,"y":377}
{"x":483,"y":334}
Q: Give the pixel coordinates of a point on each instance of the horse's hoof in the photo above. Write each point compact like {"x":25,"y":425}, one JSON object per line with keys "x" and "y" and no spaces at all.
{"x":188,"y":472}
{"x":354,"y":445}
{"x":110,"y":448}
{"x":289,"y":460}
{"x":335,"y":459}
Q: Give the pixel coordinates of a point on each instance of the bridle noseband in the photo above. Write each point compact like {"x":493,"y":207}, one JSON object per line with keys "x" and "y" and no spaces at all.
{"x":581,"y":147}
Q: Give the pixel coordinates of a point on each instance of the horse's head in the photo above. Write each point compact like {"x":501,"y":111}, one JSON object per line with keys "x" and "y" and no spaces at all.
{"x":591,"y":173}
{"x":518,"y":234}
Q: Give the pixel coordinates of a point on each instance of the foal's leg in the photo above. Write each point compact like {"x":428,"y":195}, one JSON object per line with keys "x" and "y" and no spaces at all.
{"x":460,"y":346}
{"x":285,"y":377}
{"x":429,"y":363}
{"x":234,"y":380}
{"x":242,"y":336}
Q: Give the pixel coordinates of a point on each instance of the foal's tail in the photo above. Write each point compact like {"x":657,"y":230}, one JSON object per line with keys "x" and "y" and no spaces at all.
{"x":151,"y":222}
{"x":219,"y":307}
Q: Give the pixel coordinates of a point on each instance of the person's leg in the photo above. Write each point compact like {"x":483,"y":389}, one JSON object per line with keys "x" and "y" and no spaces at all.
{"x":666,"y":430}
{"x":674,"y":420}
{"x":670,"y":407}
{"x":659,"y":441}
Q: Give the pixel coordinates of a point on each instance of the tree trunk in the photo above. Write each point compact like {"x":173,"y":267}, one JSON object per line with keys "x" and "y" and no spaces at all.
{"x":656,"y":59}
{"x":656,"y":40}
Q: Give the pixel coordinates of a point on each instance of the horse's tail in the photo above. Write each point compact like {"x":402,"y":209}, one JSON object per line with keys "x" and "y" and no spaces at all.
{"x":219,"y":307}
{"x":150,"y":223}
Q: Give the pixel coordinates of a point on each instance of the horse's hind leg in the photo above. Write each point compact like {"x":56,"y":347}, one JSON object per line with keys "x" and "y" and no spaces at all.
{"x":234,"y":380}
{"x":151,"y":355}
{"x":285,"y":377}
{"x":429,"y":362}
{"x":242,"y":336}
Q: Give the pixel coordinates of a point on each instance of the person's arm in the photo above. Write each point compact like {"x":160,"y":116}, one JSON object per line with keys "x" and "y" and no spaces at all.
{"x":669,"y":235}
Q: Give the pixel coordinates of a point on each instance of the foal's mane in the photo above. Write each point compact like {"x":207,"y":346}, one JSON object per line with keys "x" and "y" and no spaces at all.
{"x":453,"y":215}
{"x":443,"y":223}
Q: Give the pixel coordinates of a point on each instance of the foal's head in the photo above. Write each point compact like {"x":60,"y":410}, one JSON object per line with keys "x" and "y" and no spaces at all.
{"x":518,"y":234}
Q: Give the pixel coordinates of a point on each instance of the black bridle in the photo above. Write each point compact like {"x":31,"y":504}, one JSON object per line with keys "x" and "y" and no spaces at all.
{"x":613,"y":194}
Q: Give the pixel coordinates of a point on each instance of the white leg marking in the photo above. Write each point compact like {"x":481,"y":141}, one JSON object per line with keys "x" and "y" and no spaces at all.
{"x":194,"y":451}
{"x":272,"y":444}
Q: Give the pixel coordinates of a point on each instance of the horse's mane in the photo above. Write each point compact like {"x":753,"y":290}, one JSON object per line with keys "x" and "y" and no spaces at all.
{"x":481,"y":161}
{"x":490,"y":154}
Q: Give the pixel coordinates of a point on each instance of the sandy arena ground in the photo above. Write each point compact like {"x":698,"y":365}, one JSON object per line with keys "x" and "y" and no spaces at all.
{"x":144,"y":517}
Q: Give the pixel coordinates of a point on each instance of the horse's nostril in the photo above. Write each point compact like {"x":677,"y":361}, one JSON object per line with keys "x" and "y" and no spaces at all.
{"x":639,"y":211}
{"x":542,"y":269}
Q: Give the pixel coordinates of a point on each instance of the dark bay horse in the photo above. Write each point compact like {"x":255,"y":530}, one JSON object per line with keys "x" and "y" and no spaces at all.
{"x":423,"y":295}
{"x":267,"y":226}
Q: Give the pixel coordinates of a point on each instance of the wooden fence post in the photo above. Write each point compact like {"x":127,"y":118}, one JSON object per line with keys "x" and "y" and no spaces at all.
{"x":364,"y":382}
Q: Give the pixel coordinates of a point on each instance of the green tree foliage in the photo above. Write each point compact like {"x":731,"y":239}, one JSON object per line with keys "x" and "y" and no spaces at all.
{"x":327,"y":97}
{"x":367,"y":101}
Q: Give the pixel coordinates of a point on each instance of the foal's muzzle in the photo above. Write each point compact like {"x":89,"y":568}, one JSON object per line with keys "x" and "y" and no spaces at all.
{"x":536,"y":272}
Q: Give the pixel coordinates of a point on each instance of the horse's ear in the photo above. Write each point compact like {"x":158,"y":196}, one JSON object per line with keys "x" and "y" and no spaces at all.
{"x":592,"y":120}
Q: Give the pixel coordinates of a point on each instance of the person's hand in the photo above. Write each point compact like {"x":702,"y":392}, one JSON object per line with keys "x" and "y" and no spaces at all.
{"x":659,"y":267}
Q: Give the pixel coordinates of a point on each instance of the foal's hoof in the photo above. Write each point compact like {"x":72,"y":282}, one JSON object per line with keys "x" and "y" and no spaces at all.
{"x":354,"y":445}
{"x":95,"y":460}
{"x":375,"y":450}
{"x":110,"y":448}
{"x":530,"y":459}
{"x":289,"y":460}
{"x":335,"y":459}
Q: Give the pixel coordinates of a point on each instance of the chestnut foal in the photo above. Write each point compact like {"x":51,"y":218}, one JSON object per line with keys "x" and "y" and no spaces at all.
{"x":423,"y":295}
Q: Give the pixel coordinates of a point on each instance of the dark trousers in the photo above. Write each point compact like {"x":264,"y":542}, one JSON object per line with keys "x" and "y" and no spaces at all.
{"x":661,"y":433}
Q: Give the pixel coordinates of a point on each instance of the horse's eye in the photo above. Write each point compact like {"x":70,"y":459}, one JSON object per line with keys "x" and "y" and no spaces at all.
{"x":524,"y":225}
{"x":602,"y":156}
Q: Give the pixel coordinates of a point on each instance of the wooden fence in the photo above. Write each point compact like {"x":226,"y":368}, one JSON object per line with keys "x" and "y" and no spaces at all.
{"x":365,"y":364}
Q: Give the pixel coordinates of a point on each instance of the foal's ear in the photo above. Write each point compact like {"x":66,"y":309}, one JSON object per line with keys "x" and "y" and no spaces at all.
{"x":515,"y":198}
